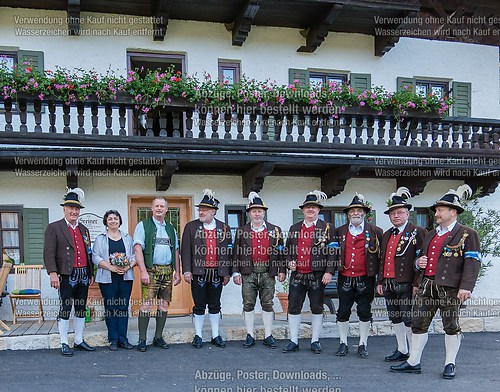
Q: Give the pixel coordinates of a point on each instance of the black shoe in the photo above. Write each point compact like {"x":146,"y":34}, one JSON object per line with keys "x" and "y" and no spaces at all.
{"x":396,"y":356}
{"x":113,"y":346}
{"x":83,"y":347}
{"x":449,"y":371}
{"x":405,"y":367}
{"x":291,"y":347}
{"x":249,"y":341}
{"x":362,"y":353}
{"x":269,"y":342}
{"x":342,"y":350}
{"x":66,"y":350}
{"x":125,"y":345}
{"x":218,"y":342}
{"x":316,"y":347}
{"x":141,"y":346}
{"x":160,"y":343}
{"x":197,"y":342}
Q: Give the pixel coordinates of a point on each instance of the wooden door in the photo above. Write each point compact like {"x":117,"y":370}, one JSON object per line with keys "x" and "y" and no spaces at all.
{"x":179,"y":213}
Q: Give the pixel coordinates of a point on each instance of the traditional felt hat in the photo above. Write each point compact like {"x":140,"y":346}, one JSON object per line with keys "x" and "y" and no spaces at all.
{"x":452,"y":198}
{"x":314,"y":198}
{"x":398,"y":200}
{"x":255,"y":201}
{"x":358,"y":201}
{"x":209,"y":200}
{"x":74,"y":198}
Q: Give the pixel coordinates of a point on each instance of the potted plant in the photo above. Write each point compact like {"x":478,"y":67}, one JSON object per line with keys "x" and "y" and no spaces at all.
{"x":283,"y":293}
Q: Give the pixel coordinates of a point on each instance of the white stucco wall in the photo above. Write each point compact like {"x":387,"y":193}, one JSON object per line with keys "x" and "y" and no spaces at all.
{"x":267,"y":53}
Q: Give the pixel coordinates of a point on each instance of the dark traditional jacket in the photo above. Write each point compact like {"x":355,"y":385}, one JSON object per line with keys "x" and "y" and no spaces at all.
{"x":194,"y":249}
{"x":460,"y":259}
{"x":324,"y":252}
{"x":242,"y":250}
{"x":373,"y":238}
{"x":406,"y":253}
{"x":59,"y":249}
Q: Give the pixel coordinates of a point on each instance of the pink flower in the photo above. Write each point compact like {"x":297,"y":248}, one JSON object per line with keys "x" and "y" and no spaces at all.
{"x":362,"y":103}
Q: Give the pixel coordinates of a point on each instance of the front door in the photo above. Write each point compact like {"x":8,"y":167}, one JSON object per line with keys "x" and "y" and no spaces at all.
{"x":179,"y":213}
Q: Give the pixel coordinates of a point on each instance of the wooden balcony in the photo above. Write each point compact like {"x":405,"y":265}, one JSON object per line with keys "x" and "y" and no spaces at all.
{"x":253,"y":143}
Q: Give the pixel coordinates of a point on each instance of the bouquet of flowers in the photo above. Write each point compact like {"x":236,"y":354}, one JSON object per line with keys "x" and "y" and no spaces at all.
{"x":119,"y":259}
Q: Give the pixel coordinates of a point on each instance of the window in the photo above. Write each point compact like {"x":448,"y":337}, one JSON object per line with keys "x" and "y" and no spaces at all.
{"x":236,"y":216}
{"x":11,"y":232}
{"x":230,"y":71}
{"x":358,"y":81}
{"x":318,"y":78}
{"x":461,"y":91}
{"x":8,"y":58}
{"x":421,"y":217}
{"x":334,"y":215}
{"x":424,"y":87}
{"x":158,"y":119}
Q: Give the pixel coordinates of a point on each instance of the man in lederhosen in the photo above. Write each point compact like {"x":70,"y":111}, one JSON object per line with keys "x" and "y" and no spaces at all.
{"x":66,"y":255}
{"x":359,"y":263}
{"x":397,"y":269}
{"x":206,"y":263}
{"x":449,"y":264}
{"x":257,"y":260}
{"x":156,"y":249}
{"x":311,"y":257}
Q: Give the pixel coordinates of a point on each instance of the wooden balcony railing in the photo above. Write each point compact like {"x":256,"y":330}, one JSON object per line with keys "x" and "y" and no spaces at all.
{"x":356,"y":127}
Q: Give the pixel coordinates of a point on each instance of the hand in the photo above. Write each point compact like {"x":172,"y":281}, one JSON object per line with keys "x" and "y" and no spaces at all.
{"x":54,"y":280}
{"x":281,"y":277}
{"x":91,"y":280}
{"x":177,"y":278}
{"x":380,"y":290}
{"x":327,"y":278}
{"x":463,"y":295}
{"x":120,"y":270}
{"x":292,"y":265}
{"x":188,"y":277}
{"x":415,"y":291}
{"x":145,"y":277}
{"x":226,"y":280}
{"x":237,"y":279}
{"x":422,"y":262}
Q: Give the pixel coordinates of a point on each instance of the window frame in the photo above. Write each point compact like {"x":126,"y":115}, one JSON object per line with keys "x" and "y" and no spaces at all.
{"x":326,"y":75}
{"x":234,"y":65}
{"x":18,"y":209}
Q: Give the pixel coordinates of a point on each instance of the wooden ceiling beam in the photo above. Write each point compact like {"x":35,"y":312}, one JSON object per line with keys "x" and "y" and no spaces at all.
{"x":161,"y":14}
{"x":317,"y":32}
{"x":163,"y":181}
{"x":243,"y":22}
{"x":333,"y":181}
{"x":253,"y":178}
{"x":415,"y":185}
{"x":73,"y":13}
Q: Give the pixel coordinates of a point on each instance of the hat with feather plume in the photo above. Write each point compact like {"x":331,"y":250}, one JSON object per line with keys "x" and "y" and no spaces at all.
{"x":209,"y":200}
{"x":398,"y":200}
{"x":255,"y":201}
{"x":452,"y":198}
{"x":358,"y":201}
{"x":314,"y":198}
{"x":74,"y":198}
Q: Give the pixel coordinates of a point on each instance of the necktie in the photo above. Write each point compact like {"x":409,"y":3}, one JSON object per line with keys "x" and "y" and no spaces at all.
{"x":395,"y":231}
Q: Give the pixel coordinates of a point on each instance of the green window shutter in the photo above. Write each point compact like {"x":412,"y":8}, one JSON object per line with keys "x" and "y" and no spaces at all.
{"x":404,"y":81}
{"x":361,"y":82}
{"x":35,"y":221}
{"x":374,"y":217}
{"x":462,"y":94}
{"x":35,"y":57}
{"x":298,"y":215}
{"x":413,"y":217}
{"x":302,"y":75}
